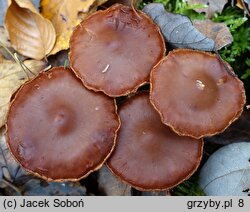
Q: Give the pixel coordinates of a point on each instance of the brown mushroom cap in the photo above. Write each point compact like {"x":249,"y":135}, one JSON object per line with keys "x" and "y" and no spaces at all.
{"x":148,"y":154}
{"x":114,"y":50}
{"x":194,"y":93}
{"x":59,"y":130}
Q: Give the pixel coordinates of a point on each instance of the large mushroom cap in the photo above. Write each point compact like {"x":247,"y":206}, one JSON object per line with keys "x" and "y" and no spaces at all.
{"x":148,"y":154}
{"x":195,"y":94}
{"x":59,"y":130}
{"x":114,"y":50}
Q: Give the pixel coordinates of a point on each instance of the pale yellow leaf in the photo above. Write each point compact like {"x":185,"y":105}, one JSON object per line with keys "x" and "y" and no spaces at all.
{"x":11,"y":78}
{"x":65,"y":15}
{"x":30,"y":34}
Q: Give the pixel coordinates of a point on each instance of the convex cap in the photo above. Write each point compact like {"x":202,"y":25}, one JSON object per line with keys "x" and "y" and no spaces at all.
{"x":115,"y":49}
{"x":195,"y":94}
{"x":148,"y":154}
{"x":59,"y":130}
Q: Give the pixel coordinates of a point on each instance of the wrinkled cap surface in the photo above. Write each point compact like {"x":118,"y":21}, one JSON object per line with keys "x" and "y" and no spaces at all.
{"x":148,"y":155}
{"x":59,"y":130}
{"x":114,"y":50}
{"x":194,"y":93}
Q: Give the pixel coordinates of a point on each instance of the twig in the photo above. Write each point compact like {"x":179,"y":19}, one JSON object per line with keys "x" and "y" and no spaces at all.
{"x":17,"y":60}
{"x":6,"y":182}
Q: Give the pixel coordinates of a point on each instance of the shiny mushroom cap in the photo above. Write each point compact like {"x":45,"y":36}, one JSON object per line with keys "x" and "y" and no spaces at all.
{"x":59,"y":130}
{"x":194,"y":93}
{"x":114,"y":50}
{"x":148,"y":154}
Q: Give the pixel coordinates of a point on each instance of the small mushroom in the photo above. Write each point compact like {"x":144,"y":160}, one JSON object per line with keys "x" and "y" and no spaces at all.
{"x":114,"y":50}
{"x":59,"y":130}
{"x":194,"y":93}
{"x":148,"y":154}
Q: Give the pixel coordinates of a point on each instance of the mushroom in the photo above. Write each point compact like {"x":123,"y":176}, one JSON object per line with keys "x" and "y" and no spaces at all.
{"x":194,"y":93}
{"x":114,"y":50}
{"x":59,"y":130}
{"x":148,"y":154}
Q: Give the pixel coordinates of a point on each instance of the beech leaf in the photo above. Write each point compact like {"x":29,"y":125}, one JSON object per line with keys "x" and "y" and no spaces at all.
{"x":227,"y":171}
{"x":219,"y":32}
{"x":213,"y":6}
{"x":12,"y":77}
{"x":177,"y":29}
{"x":65,"y":15}
{"x":30,"y":34}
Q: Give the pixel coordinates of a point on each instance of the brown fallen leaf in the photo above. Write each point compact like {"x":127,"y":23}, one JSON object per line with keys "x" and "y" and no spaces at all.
{"x":11,"y":78}
{"x":214,"y":6}
{"x":30,"y":34}
{"x":65,"y":15}
{"x":219,"y":32}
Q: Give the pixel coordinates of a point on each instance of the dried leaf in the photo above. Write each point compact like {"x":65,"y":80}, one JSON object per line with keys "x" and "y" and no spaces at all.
{"x":227,"y":171}
{"x":218,"y":32}
{"x":109,"y":185}
{"x":65,"y":15}
{"x":178,"y":29}
{"x":30,"y":33}
{"x":11,"y":78}
{"x":214,"y":6}
{"x":4,"y":40}
{"x":36,"y":187}
{"x":10,"y":170}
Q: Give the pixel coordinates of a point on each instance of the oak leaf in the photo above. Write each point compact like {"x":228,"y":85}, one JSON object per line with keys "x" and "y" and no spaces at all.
{"x":30,"y":34}
{"x":65,"y":15}
{"x":12,"y":77}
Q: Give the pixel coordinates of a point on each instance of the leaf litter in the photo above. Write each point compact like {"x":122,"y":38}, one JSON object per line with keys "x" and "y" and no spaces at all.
{"x":30,"y":33}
